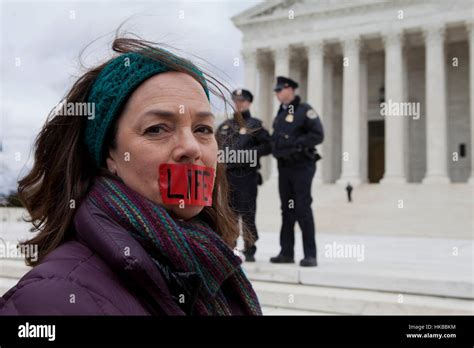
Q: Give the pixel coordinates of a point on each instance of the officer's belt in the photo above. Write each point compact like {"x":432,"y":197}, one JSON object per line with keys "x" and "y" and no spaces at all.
{"x":292,"y":159}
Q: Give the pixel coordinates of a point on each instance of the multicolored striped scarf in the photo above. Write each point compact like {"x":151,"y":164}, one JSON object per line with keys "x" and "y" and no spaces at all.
{"x":184,"y":246}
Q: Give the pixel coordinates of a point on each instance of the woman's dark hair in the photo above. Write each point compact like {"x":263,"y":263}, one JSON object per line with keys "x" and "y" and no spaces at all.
{"x":62,"y":173}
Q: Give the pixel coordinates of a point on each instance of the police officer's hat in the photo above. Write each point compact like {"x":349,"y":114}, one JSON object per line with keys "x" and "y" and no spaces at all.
{"x":242,"y":94}
{"x":284,"y":82}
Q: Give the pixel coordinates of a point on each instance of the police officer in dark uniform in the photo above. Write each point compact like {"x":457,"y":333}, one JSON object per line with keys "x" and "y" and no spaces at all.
{"x":244,"y":178}
{"x":297,"y":129}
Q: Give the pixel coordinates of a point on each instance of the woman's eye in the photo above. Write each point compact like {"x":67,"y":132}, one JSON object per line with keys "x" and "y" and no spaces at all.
{"x":205,"y":130}
{"x":154,"y":129}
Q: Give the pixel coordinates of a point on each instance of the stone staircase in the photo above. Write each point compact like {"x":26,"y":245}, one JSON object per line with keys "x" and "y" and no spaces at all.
{"x":294,"y":298}
{"x":420,"y":210}
{"x":398,"y":275}
{"x":284,"y":298}
{"x":417,"y":259}
{"x":330,"y":291}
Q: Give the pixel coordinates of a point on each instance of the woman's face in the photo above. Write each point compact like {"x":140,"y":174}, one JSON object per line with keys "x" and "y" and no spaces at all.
{"x":166,"y":120}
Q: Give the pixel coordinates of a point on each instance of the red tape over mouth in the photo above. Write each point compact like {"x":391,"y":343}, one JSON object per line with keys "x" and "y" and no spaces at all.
{"x":187,"y":184}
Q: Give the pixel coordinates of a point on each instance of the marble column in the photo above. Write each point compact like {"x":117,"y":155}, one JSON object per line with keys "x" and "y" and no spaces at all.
{"x":281,"y":56}
{"x":250,"y":73}
{"x":436,"y":111}
{"x":328,"y":122}
{"x":315,"y":52}
{"x":395,"y":137}
{"x":351,"y":113}
{"x":265,"y":109}
{"x":470,"y":30}
{"x":364,"y":122}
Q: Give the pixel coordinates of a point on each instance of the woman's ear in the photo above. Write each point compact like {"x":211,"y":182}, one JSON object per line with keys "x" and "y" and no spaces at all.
{"x":111,"y":165}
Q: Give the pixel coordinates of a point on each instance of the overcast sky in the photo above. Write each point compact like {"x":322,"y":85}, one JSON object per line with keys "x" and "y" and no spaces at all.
{"x":41,"y":43}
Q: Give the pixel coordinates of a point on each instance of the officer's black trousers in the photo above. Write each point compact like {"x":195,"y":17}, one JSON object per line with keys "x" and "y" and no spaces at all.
{"x":295,"y":193}
{"x":243,"y":200}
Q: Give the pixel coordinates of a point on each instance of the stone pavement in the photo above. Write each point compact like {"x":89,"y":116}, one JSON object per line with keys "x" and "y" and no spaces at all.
{"x":418,"y":265}
{"x":367,"y":275}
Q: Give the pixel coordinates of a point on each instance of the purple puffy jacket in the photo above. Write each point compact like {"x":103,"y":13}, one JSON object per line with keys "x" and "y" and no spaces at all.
{"x":91,"y":275}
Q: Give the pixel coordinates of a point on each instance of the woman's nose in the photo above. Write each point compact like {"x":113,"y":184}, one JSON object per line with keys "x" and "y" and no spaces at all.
{"x":187,"y":149}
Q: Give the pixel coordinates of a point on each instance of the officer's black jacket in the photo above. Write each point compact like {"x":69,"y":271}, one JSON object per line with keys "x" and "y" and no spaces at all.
{"x":254,"y":137}
{"x":301,"y":131}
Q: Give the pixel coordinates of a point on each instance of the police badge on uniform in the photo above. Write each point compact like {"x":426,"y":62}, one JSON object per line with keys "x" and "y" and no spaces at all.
{"x":289,"y":118}
{"x":311,"y":113}
{"x":224,"y":129}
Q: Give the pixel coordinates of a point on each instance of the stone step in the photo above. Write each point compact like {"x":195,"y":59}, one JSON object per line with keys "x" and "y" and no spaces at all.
{"x":269,"y":310}
{"x":365,"y":278}
{"x":319,"y":299}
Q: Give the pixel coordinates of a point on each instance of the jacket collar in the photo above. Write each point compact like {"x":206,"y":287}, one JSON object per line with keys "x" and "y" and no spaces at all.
{"x":295,"y":102}
{"x":126,"y":257}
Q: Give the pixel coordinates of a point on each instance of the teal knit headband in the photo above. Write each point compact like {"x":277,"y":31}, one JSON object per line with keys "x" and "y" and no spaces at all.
{"x":111,"y":89}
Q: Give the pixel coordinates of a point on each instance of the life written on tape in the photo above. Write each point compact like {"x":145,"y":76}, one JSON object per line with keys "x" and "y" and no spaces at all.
{"x":187,"y":184}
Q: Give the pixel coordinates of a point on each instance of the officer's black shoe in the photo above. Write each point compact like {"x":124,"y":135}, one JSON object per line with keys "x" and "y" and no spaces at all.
{"x":249,"y":257}
{"x":282,"y":259}
{"x":249,"y":253}
{"x":308,"y":262}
